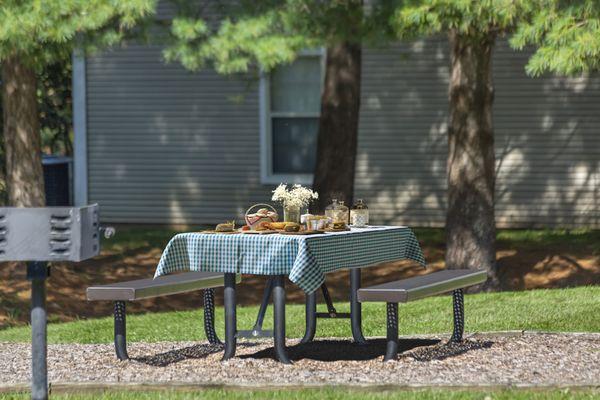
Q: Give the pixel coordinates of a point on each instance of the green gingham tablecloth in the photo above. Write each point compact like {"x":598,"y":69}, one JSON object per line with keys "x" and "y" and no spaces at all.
{"x":306,"y":259}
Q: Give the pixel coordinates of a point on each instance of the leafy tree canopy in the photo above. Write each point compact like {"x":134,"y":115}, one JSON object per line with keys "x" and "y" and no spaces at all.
{"x":272,"y":32}
{"x":474,"y":19}
{"x":41,"y":32}
{"x":567,"y":36}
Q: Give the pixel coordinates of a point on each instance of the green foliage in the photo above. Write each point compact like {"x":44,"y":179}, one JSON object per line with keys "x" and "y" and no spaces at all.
{"x":269,"y":33}
{"x":567,"y":36}
{"x":55,"y":107}
{"x":42,"y":32}
{"x":469,"y":18}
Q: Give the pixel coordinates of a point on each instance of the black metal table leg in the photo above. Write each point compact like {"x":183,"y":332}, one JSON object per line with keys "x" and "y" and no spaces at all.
{"x":121,"y":330}
{"x":279,"y":318}
{"x":355,"y":307}
{"x":391,"y":351}
{"x":311,"y":317}
{"x":37,"y":272}
{"x":257,"y":330}
{"x":230,"y":317}
{"x":209,"y":317}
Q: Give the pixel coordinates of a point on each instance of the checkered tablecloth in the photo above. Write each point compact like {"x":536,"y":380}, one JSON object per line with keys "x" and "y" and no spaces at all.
{"x":305,"y":259}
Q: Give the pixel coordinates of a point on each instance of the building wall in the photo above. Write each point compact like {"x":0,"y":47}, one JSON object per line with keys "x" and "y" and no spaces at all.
{"x":169,"y":146}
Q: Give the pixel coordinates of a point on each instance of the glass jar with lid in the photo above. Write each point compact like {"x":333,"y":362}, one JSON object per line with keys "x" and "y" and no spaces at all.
{"x":337,"y":212}
{"x":359,"y":215}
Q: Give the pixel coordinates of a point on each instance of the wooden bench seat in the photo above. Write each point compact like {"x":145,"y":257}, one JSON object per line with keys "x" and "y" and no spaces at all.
{"x":121,"y":292}
{"x":419,"y":287}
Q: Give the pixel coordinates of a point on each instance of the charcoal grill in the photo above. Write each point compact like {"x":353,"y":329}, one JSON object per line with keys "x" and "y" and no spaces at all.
{"x":42,"y":235}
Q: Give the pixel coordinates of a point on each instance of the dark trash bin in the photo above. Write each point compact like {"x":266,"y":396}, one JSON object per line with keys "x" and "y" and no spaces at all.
{"x":57,"y":180}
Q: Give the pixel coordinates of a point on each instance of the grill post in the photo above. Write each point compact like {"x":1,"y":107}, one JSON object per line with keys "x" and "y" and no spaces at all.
{"x":37,"y":272}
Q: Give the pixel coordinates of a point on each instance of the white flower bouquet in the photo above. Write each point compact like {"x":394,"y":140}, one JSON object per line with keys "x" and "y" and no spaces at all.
{"x":295,"y":197}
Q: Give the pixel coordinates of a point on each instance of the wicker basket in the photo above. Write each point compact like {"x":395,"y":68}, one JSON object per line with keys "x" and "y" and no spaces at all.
{"x":254,"y":220}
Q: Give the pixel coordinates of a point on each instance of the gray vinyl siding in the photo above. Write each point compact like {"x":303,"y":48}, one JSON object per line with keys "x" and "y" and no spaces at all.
{"x":169,"y":146}
{"x":546,"y":132}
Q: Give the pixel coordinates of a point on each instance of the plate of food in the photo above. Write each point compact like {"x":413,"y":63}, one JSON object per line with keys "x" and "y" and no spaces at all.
{"x":224,"y":228}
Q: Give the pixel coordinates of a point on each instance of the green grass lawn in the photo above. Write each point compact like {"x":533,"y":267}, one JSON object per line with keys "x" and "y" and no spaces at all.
{"x":571,"y":310}
{"x":329,"y":393}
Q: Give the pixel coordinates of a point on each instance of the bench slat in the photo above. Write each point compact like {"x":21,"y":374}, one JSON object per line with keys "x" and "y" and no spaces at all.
{"x":161,"y":286}
{"x":418,"y":287}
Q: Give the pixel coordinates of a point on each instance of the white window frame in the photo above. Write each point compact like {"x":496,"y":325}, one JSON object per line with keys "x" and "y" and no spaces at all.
{"x":267,"y":176}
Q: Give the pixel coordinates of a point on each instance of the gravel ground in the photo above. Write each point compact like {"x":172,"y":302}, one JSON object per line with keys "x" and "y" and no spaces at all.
{"x":490,"y":359}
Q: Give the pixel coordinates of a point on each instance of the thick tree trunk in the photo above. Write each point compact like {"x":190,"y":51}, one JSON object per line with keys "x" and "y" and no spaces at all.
{"x":338,"y":125}
{"x":470,"y":221}
{"x":24,"y":174}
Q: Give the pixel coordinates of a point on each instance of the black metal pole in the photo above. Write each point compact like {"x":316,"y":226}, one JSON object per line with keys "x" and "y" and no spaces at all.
{"x":230,"y":317}
{"x":311,"y":317}
{"x":391,"y":351}
{"x":279,"y":319}
{"x":120,"y":316}
{"x":263,"y":306}
{"x":355,"y":307}
{"x":37,"y":272}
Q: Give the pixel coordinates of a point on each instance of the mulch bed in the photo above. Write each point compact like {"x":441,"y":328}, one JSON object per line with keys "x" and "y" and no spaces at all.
{"x":524,"y":359}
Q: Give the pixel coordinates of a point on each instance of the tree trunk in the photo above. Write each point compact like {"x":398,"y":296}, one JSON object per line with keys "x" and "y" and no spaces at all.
{"x":24,"y":174}
{"x":470,"y":221}
{"x":338,"y":125}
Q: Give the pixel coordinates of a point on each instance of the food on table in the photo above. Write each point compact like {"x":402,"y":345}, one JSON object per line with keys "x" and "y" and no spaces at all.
{"x":225,"y":227}
{"x":278,"y":225}
{"x":245,"y":228}
{"x":318,"y":222}
{"x":292,"y":227}
{"x":339,"y":225}
{"x":263,"y":214}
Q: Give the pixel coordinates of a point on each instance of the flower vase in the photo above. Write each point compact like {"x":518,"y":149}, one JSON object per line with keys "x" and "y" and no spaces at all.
{"x":291,"y":214}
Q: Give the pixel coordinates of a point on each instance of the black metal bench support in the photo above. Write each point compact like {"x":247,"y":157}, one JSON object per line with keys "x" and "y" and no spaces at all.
{"x":121,"y":331}
{"x":230,"y":316}
{"x":459,"y":316}
{"x":392,"y":324}
{"x":391,"y":350}
{"x":209,"y":317}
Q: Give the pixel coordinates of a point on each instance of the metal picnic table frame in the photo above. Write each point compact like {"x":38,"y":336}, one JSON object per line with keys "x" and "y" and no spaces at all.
{"x":276,"y":287}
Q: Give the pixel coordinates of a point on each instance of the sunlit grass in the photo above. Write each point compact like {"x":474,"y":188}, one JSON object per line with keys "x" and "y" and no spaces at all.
{"x":549,"y":310}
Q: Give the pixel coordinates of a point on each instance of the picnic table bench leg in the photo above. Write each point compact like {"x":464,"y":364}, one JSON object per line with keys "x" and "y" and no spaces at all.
{"x":311,"y":317}
{"x":121,"y":330}
{"x":279,"y":319}
{"x":391,"y":351}
{"x":355,"y":307}
{"x":209,"y":317}
{"x":459,"y":316}
{"x":230,"y":317}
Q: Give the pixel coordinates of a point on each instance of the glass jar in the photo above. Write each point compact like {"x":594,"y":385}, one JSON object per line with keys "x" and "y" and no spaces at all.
{"x":337,"y":212}
{"x":359,"y":215}
{"x":291,"y":214}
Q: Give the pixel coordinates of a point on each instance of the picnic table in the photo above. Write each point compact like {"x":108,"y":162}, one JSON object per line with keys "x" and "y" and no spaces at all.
{"x":304,"y":259}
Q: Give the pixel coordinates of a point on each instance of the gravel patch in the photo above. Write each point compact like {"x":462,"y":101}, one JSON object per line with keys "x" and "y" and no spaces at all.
{"x":518,"y":360}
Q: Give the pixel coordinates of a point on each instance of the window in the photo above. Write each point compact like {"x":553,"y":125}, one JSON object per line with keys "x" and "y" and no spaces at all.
{"x":290,"y":108}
